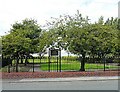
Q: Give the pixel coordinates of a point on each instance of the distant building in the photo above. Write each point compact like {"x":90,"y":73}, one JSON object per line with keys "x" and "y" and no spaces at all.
{"x":119,"y":9}
{"x":63,"y":53}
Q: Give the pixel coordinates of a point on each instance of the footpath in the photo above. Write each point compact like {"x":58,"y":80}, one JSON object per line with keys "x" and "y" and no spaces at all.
{"x":69,"y":79}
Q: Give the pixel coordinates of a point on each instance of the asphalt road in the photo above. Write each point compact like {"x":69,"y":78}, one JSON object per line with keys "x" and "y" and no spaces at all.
{"x":63,"y":85}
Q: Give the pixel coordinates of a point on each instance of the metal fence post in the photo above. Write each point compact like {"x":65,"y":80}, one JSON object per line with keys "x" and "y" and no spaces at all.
{"x":8,"y":65}
{"x":17,"y":64}
{"x":33,"y":64}
{"x":48,"y":63}
{"x":57,"y":63}
{"x":104,"y":62}
{"x":60,"y":60}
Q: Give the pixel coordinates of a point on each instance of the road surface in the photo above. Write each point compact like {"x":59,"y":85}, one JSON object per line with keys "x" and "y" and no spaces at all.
{"x":61,"y":85}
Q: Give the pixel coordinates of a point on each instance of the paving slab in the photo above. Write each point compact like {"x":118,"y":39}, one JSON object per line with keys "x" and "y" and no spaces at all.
{"x":70,"y":79}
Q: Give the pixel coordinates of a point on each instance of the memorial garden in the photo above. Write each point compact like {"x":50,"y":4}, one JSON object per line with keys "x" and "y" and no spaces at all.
{"x":95,"y":45}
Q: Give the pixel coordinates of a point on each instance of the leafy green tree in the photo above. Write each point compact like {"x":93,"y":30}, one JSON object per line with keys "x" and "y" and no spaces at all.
{"x":58,"y":28}
{"x":68,"y":27}
{"x":22,"y":40}
{"x":14,"y":45}
{"x":115,"y":24}
{"x":84,"y":38}
{"x":94,"y":39}
{"x":101,"y":20}
{"x":29,"y":29}
{"x":46,"y":40}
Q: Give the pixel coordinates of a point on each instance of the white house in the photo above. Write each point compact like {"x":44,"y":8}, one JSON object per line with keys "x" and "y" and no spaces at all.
{"x":63,"y":53}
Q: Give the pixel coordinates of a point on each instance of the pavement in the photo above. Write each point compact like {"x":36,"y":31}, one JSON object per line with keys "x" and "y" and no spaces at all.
{"x":71,"y":83}
{"x":68,"y":79}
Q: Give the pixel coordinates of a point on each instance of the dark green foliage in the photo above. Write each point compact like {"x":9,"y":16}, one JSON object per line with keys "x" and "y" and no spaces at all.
{"x":72,"y":33}
{"x":88,"y":39}
{"x":22,"y":40}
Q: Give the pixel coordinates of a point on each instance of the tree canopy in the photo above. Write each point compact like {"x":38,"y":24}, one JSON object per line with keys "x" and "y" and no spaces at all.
{"x":23,"y":38}
{"x":73,"y":33}
{"x":87,"y":39}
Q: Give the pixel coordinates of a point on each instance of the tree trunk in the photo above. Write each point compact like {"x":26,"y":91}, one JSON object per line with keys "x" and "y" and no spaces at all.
{"x":17,"y":61}
{"x":11,"y":62}
{"x":21,"y":60}
{"x":8,"y":65}
{"x":26,"y":61}
{"x":83,"y":63}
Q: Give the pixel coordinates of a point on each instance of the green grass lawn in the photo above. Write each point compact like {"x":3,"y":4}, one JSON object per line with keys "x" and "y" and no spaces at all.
{"x":68,"y":65}
{"x":76,"y":66}
{"x":71,"y":65}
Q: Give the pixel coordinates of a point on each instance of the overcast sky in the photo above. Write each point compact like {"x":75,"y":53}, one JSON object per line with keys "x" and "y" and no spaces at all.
{"x":42,"y":10}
